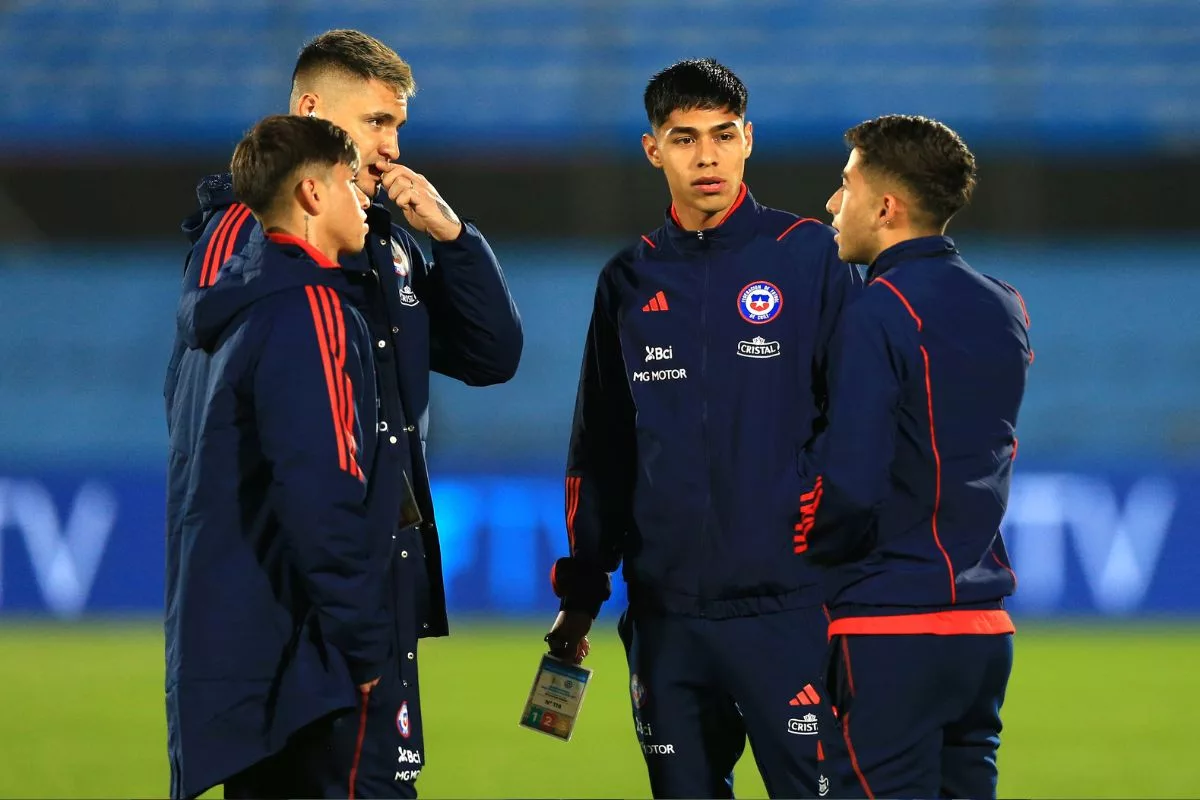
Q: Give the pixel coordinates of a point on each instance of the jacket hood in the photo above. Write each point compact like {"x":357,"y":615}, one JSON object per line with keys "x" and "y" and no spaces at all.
{"x":214,"y":193}
{"x":268,"y":265}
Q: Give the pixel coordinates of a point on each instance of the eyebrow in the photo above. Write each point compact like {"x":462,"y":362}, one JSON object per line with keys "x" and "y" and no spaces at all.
{"x":685,"y":131}
{"x":383,"y":116}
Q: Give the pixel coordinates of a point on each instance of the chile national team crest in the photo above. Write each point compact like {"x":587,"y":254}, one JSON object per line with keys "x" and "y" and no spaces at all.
{"x":399,"y":259}
{"x":403,"y":723}
{"x":760,"y":302}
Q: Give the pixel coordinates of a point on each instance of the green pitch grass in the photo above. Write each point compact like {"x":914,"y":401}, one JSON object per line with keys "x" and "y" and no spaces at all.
{"x":1092,"y":712}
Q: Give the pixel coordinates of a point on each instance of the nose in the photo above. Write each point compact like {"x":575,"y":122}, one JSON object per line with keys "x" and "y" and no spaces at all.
{"x":834,"y":202}
{"x":389,"y":148}
{"x":708,"y":153}
{"x":364,"y":202}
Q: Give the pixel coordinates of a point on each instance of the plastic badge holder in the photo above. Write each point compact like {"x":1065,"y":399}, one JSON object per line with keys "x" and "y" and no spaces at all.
{"x":554,"y":700}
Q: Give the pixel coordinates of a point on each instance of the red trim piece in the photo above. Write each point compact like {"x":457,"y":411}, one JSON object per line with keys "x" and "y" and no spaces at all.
{"x":347,"y":385}
{"x":573,"y":484}
{"x":1024,"y":308}
{"x":903,"y":299}
{"x":312,"y":252}
{"x":234,"y":232}
{"x":336,"y":345}
{"x":646,"y":239}
{"x":736,"y":203}
{"x":323,"y":346}
{"x":937,"y":495}
{"x":740,"y":198}
{"x":996,"y":558}
{"x":554,"y":577}
{"x":211,"y":250}
{"x":862,"y":779}
{"x":358,"y":744}
{"x":936,"y":623}
{"x":236,"y":214}
{"x":795,"y":225}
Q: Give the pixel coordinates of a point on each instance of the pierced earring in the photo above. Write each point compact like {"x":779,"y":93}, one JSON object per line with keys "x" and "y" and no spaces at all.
{"x":312,"y":114}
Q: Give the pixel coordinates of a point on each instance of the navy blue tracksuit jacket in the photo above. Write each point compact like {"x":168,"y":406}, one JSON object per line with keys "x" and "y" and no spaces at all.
{"x":903,"y":503}
{"x":909,"y":484}
{"x":702,"y":381}
{"x":453,"y":316}
{"x":276,"y":578}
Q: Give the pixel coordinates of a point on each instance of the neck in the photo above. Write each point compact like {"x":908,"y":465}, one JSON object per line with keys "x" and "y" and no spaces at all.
{"x":694,"y":219}
{"x":889,"y":238}
{"x":301,"y":226}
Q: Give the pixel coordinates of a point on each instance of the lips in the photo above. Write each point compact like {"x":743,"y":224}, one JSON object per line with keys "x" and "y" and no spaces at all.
{"x":709,"y":185}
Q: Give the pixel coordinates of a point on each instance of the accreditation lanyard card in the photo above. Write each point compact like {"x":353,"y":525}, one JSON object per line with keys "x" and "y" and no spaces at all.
{"x":554,"y":700}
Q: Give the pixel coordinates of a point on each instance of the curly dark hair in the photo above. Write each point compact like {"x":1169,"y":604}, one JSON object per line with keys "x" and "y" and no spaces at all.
{"x":926,"y":156}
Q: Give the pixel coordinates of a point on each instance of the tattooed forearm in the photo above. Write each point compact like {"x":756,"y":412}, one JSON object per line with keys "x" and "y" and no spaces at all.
{"x":446,"y":212}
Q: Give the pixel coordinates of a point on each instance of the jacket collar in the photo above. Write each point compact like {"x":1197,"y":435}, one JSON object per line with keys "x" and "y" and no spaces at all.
{"x":736,"y":224}
{"x":909,"y":250}
{"x":287,"y":240}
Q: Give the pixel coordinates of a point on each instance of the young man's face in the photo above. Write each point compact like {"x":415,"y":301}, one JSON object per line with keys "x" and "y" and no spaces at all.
{"x":703,"y":155}
{"x":856,"y":207}
{"x":344,"y":218}
{"x":372,"y":113}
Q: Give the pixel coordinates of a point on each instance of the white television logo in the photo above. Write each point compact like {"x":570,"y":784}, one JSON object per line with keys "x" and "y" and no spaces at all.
{"x":65,"y":557}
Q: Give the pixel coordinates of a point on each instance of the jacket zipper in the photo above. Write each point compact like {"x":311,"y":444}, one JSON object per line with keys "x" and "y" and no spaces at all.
{"x":706,"y":537}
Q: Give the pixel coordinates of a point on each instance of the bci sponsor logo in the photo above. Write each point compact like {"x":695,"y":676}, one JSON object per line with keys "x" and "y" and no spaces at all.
{"x":659,"y":353}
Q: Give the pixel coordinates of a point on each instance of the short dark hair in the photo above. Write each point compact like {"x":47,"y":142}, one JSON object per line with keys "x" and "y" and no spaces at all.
{"x":698,"y":83}
{"x":353,"y":53}
{"x":926,"y":156}
{"x":276,"y":148}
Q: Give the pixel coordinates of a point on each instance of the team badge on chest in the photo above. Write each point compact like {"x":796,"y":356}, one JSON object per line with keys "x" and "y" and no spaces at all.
{"x":399,"y":259}
{"x":403,"y":723}
{"x":760,"y":302}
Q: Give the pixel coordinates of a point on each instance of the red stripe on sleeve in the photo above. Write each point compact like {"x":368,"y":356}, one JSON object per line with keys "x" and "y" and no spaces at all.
{"x":573,"y":484}
{"x":234,"y":232}
{"x":315,"y":301}
{"x":214,"y":242}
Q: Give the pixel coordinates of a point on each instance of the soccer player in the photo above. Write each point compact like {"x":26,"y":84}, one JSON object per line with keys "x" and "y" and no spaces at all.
{"x":908,"y":484}
{"x":702,"y":379}
{"x":453,"y":315}
{"x":275,"y":589}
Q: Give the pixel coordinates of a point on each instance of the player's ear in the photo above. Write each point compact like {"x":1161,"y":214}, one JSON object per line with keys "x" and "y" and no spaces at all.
{"x":306,"y":106}
{"x":310,"y":194}
{"x":650,"y":145}
{"x":890,"y":207}
{"x":749,"y":138}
